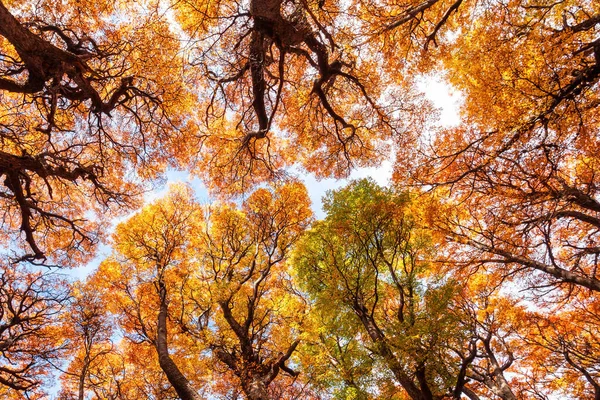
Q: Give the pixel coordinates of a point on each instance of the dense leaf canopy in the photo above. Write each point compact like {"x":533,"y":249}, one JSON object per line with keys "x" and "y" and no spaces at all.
{"x":474,"y":274}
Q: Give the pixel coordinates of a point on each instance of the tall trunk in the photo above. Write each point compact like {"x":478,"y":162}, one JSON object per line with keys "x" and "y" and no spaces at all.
{"x":496,"y":381}
{"x":461,"y":378}
{"x":176,"y":378}
{"x":255,"y":388}
{"x":500,"y":387}
{"x":384,"y":351}
{"x":81,"y":385}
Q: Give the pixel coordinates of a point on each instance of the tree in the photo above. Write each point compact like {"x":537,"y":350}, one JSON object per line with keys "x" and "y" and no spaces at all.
{"x":189,"y":284}
{"x":244,"y":269}
{"x":369,"y":259}
{"x":496,"y":325}
{"x":335,"y":360}
{"x":30,"y":338}
{"x":98,"y":98}
{"x":566,"y":338}
{"x":148,"y":275}
{"x":90,"y":106}
{"x":125,"y":373}
{"x":289,"y":83}
{"x":90,"y":334}
{"x":523,"y":160}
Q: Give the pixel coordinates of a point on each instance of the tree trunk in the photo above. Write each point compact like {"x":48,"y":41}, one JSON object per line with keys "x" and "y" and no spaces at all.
{"x":176,"y":378}
{"x":255,"y":388}
{"x":81,"y":385}
{"x":501,"y":388}
{"x":383,"y":350}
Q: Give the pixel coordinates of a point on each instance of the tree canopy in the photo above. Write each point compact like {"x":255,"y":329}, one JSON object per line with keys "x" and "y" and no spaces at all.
{"x":474,"y":274}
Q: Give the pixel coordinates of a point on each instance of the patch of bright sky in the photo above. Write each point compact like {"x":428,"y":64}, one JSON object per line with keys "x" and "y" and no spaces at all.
{"x":444,"y":97}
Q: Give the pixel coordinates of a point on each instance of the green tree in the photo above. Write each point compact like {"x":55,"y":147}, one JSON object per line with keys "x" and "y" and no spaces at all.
{"x":369,"y":261}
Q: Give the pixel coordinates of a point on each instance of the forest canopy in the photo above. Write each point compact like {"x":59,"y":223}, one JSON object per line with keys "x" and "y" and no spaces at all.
{"x":472,"y":274}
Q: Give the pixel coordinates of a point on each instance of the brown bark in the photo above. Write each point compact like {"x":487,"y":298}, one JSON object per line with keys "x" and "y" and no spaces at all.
{"x":293,"y":35}
{"x":470,"y":394}
{"x":255,"y":374}
{"x":494,"y":379}
{"x":383,"y":349}
{"x":256,"y":388}
{"x":176,"y":378}
{"x":42,"y":59}
{"x":461,"y":380}
{"x":84,"y":370}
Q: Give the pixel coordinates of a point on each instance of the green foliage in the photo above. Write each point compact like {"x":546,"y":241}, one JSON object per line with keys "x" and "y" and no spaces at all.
{"x":367,"y":268}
